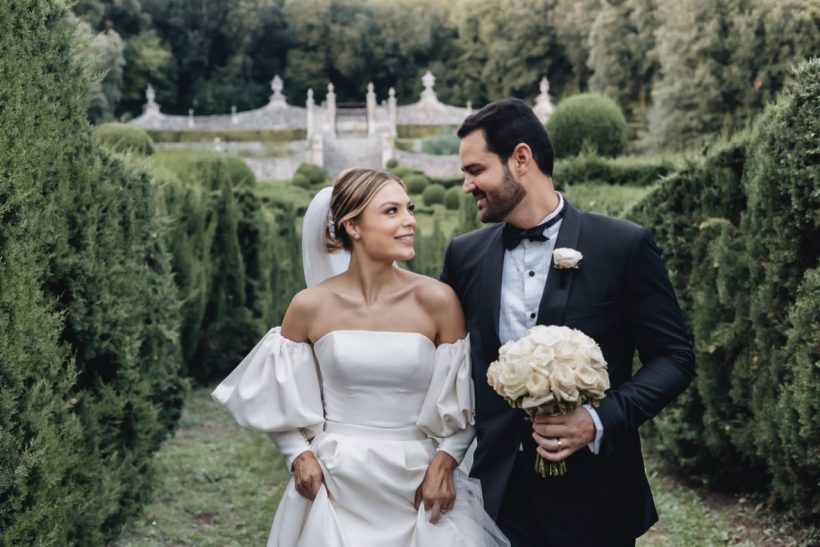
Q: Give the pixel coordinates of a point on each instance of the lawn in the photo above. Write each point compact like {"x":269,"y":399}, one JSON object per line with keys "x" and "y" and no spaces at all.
{"x":219,"y":485}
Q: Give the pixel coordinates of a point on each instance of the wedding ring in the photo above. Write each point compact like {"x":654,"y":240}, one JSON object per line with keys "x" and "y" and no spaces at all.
{"x":560,"y":444}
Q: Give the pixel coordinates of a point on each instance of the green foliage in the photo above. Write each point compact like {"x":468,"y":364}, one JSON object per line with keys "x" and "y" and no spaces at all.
{"x":229,"y":135}
{"x":124,"y":138}
{"x":740,"y":234}
{"x":314,"y":174}
{"x":605,"y":198}
{"x":300,"y":180}
{"x":588,"y":121}
{"x":434,"y":193}
{"x":89,"y":357}
{"x":416,"y":183}
{"x":422,"y":131}
{"x":452,"y":198}
{"x":624,"y":170}
{"x":441,"y":145}
{"x":392,"y":163}
{"x":404,"y":172}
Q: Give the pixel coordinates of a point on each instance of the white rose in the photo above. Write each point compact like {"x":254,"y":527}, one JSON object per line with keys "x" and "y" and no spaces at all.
{"x":538,"y":384}
{"x":513,"y":378}
{"x":543,"y":357}
{"x":565,"y":350}
{"x":565,"y":259}
{"x":589,"y":381}
{"x":535,"y":402}
{"x":546,"y":335}
{"x":563,"y":384}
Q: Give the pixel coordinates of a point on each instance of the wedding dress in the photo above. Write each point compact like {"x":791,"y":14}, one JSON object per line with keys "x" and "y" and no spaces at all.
{"x":372,"y":406}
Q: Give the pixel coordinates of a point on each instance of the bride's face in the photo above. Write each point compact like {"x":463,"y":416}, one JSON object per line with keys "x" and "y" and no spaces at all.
{"x":387,"y":225}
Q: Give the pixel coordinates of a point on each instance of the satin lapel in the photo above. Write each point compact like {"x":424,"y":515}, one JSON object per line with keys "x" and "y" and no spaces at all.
{"x":554,"y":300}
{"x":490,"y":293}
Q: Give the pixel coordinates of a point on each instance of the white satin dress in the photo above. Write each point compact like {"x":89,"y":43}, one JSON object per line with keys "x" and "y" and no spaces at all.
{"x":377,"y":405}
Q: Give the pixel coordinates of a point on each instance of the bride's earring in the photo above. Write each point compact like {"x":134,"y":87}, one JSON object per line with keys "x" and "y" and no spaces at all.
{"x":357,"y":237}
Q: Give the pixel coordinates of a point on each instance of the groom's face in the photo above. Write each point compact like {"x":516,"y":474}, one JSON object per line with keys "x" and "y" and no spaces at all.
{"x":488,"y":179}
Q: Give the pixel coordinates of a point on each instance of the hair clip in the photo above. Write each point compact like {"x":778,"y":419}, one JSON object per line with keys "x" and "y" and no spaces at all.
{"x":331,"y":228}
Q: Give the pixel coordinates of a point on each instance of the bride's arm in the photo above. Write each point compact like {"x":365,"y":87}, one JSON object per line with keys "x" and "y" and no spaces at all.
{"x":437,"y":490}
{"x":307,"y":474}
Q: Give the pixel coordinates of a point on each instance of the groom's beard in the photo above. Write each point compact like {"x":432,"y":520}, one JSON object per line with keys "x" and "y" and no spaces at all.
{"x":499,"y":203}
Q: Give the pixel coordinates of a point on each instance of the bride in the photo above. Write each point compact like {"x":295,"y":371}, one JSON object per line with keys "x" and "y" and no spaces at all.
{"x":366,"y":387}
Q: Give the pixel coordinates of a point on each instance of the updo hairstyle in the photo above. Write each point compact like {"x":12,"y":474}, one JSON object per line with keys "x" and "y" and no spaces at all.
{"x":352,"y":191}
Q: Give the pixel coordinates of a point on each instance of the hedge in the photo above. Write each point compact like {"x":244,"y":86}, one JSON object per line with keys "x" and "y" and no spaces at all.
{"x":452,"y":198}
{"x":421,"y":131}
{"x":587,"y":121}
{"x":416,"y":183}
{"x":741,"y":237}
{"x":314,"y":174}
{"x":441,"y":144}
{"x":228,"y":135}
{"x":89,"y":358}
{"x":434,"y":193}
{"x":624,"y":170}
{"x":124,"y":138}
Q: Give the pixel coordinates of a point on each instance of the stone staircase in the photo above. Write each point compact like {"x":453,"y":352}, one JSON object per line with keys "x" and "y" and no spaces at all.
{"x":343,"y":153}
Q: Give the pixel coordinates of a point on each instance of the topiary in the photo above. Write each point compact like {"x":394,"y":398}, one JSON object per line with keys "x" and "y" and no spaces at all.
{"x":434,"y":193}
{"x":124,"y":138}
{"x":416,"y":183}
{"x":452,"y":198}
{"x":587,"y":119}
{"x":392,"y":163}
{"x":313,"y":173}
{"x":443,"y":144}
{"x":300,"y":180}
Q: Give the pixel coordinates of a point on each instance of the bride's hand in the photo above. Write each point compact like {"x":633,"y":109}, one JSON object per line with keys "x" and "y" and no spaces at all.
{"x":437,"y":490}
{"x":307,"y":475}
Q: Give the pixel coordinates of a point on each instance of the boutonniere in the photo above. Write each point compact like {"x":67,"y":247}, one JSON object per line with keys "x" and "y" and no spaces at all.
{"x":566,"y":259}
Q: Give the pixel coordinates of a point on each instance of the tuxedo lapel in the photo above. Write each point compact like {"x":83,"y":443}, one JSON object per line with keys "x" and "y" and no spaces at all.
{"x":490,"y":293}
{"x":559,"y":282}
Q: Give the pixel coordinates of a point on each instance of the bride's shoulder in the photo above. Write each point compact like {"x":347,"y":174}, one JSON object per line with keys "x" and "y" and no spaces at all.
{"x":302,"y":312}
{"x":432,"y":294}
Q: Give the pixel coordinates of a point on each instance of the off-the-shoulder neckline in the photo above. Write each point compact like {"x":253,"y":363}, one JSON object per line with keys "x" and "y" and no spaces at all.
{"x":327,"y":334}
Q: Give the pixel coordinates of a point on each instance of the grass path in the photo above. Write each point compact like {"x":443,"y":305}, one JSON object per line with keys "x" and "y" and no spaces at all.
{"x":218,"y":485}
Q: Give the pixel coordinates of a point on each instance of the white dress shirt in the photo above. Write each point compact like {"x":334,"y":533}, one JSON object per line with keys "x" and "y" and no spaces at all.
{"x":523,"y":279}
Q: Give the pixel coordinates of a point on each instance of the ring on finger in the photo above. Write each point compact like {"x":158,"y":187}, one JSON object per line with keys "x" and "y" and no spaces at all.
{"x":560,"y":444}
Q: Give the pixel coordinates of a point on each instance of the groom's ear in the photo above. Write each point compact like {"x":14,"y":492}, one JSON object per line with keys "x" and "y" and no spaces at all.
{"x":521,"y":157}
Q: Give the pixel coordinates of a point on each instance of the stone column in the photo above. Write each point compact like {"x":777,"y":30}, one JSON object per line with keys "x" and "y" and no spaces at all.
{"x":190,"y":117}
{"x":391,"y":107}
{"x":233,"y":115}
{"x":309,"y":104}
{"x":371,"y":110}
{"x":330,"y":100}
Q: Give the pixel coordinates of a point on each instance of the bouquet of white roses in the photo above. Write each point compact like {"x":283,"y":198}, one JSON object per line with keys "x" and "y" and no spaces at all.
{"x":551,"y":370}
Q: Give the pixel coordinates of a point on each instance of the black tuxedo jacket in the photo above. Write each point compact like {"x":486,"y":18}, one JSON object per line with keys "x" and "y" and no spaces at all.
{"x":620,"y":296}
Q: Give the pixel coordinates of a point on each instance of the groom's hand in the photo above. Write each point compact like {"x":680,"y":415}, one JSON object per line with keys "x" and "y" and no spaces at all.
{"x":437,"y":490}
{"x":559,"y":437}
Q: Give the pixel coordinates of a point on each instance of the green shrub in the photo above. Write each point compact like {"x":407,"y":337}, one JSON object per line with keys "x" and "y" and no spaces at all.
{"x":300,"y":180}
{"x":452,"y":198}
{"x":121,"y":137}
{"x":416,"y":183}
{"x":589,"y":120}
{"x":392,"y":163}
{"x":89,"y":357}
{"x":449,"y":182}
{"x":403,"y":172}
{"x":229,"y":135}
{"x":442,"y":144}
{"x":434,"y":193}
{"x":313,"y":173}
{"x":421,"y":131}
{"x":625,"y":170}
{"x":739,"y":232}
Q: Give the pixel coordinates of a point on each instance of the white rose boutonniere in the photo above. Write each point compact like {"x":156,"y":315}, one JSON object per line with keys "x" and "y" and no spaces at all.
{"x":566,"y":259}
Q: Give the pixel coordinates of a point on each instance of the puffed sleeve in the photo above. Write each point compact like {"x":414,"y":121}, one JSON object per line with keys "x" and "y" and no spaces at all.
{"x":447,"y":412}
{"x":276,"y":389}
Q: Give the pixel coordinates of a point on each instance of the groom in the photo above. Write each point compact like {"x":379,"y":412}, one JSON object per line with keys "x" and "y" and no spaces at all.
{"x":619,"y":295}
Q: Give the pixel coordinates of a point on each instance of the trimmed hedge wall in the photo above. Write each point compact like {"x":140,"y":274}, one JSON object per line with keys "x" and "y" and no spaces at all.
{"x":741,"y":236}
{"x":89,"y":356}
{"x":624,"y":170}
{"x":124,"y":138}
{"x":229,"y":135}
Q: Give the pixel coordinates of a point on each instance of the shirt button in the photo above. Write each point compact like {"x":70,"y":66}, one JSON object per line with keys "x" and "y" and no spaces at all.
{"x":532,"y":316}
{"x":532,"y":274}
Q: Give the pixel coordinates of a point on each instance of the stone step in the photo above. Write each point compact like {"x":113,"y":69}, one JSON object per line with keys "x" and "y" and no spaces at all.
{"x":344,"y":153}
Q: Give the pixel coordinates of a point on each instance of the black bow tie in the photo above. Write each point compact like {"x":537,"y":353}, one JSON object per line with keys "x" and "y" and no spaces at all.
{"x":512,"y":236}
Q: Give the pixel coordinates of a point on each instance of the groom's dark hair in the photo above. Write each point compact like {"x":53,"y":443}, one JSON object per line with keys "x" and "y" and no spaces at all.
{"x":506,"y":123}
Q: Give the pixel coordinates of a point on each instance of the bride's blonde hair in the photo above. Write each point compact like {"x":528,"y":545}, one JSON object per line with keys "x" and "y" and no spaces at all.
{"x":352,"y":191}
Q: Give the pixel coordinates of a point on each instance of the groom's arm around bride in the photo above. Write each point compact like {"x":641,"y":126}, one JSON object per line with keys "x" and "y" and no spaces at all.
{"x":619,"y":294}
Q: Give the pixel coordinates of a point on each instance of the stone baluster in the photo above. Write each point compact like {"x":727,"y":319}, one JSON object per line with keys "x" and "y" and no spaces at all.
{"x":330,"y":100}
{"x":309,"y":104}
{"x":233,"y":114}
{"x":190,"y":117}
{"x":371,"y":109}
{"x":391,"y":106}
